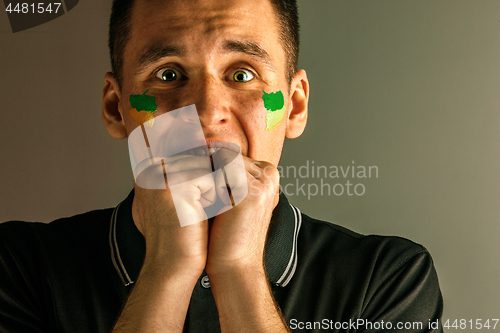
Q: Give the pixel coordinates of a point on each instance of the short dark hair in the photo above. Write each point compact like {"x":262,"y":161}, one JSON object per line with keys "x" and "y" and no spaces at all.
{"x":288,"y":20}
{"x":119,"y":34}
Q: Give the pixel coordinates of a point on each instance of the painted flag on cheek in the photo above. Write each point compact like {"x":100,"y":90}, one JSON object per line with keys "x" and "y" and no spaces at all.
{"x":276,"y":109}
{"x":143,"y":109}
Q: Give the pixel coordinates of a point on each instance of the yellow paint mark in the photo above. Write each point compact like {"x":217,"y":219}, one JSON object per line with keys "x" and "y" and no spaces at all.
{"x":273,"y":118}
{"x":142,"y":117}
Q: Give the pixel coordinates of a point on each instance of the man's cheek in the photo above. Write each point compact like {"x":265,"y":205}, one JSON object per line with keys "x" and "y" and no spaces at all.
{"x":251,"y":111}
{"x":167,"y":101}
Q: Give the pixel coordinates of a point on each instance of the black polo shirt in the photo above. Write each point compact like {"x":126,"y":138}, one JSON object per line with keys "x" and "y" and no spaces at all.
{"x":74,"y":275}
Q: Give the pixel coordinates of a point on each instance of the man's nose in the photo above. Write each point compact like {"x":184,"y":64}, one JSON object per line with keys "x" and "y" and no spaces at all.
{"x":212,"y":103}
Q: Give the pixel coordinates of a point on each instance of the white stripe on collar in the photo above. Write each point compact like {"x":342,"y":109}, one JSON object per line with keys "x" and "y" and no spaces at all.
{"x":292,"y":263}
{"x":117,"y":262}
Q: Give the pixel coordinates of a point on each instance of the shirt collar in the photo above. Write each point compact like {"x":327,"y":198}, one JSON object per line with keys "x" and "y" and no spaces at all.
{"x":128,"y":246}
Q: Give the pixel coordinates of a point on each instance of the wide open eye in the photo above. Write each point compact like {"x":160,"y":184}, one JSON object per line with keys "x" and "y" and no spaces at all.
{"x":168,"y":74}
{"x":241,"y":75}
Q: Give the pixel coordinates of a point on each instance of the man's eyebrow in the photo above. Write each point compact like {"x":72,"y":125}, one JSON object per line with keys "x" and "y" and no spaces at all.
{"x":252,"y":49}
{"x":154,"y":54}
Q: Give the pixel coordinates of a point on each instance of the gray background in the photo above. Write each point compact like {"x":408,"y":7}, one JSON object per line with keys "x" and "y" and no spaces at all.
{"x":412,"y":87}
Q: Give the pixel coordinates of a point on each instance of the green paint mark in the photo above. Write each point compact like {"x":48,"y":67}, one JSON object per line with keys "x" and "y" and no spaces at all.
{"x":273,"y":101}
{"x":143,"y":102}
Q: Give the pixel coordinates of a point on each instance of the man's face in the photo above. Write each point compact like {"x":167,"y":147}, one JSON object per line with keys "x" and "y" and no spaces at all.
{"x":217,"y":54}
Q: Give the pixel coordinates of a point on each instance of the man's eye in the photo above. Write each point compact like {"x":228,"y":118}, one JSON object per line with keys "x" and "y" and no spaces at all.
{"x":242,"y":76}
{"x":168,"y":74}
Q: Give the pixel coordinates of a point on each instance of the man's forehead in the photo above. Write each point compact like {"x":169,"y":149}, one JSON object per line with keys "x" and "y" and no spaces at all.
{"x":208,"y":19}
{"x":178,"y":7}
{"x":209,"y":14}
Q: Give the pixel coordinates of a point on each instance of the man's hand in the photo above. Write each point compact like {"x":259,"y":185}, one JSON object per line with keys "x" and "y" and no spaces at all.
{"x":175,"y":255}
{"x":191,"y":187}
{"x":238,"y":235}
{"x":235,"y":263}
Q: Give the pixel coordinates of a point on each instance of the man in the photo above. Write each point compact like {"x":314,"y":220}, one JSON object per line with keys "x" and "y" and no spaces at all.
{"x":261,"y":266}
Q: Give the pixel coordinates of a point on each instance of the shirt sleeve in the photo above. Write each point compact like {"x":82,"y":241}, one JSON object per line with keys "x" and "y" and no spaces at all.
{"x":20,"y":280}
{"x":407,"y":298}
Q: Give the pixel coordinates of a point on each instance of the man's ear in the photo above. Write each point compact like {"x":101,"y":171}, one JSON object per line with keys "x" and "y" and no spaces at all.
{"x":299,"y":97}
{"x":112,"y":112}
